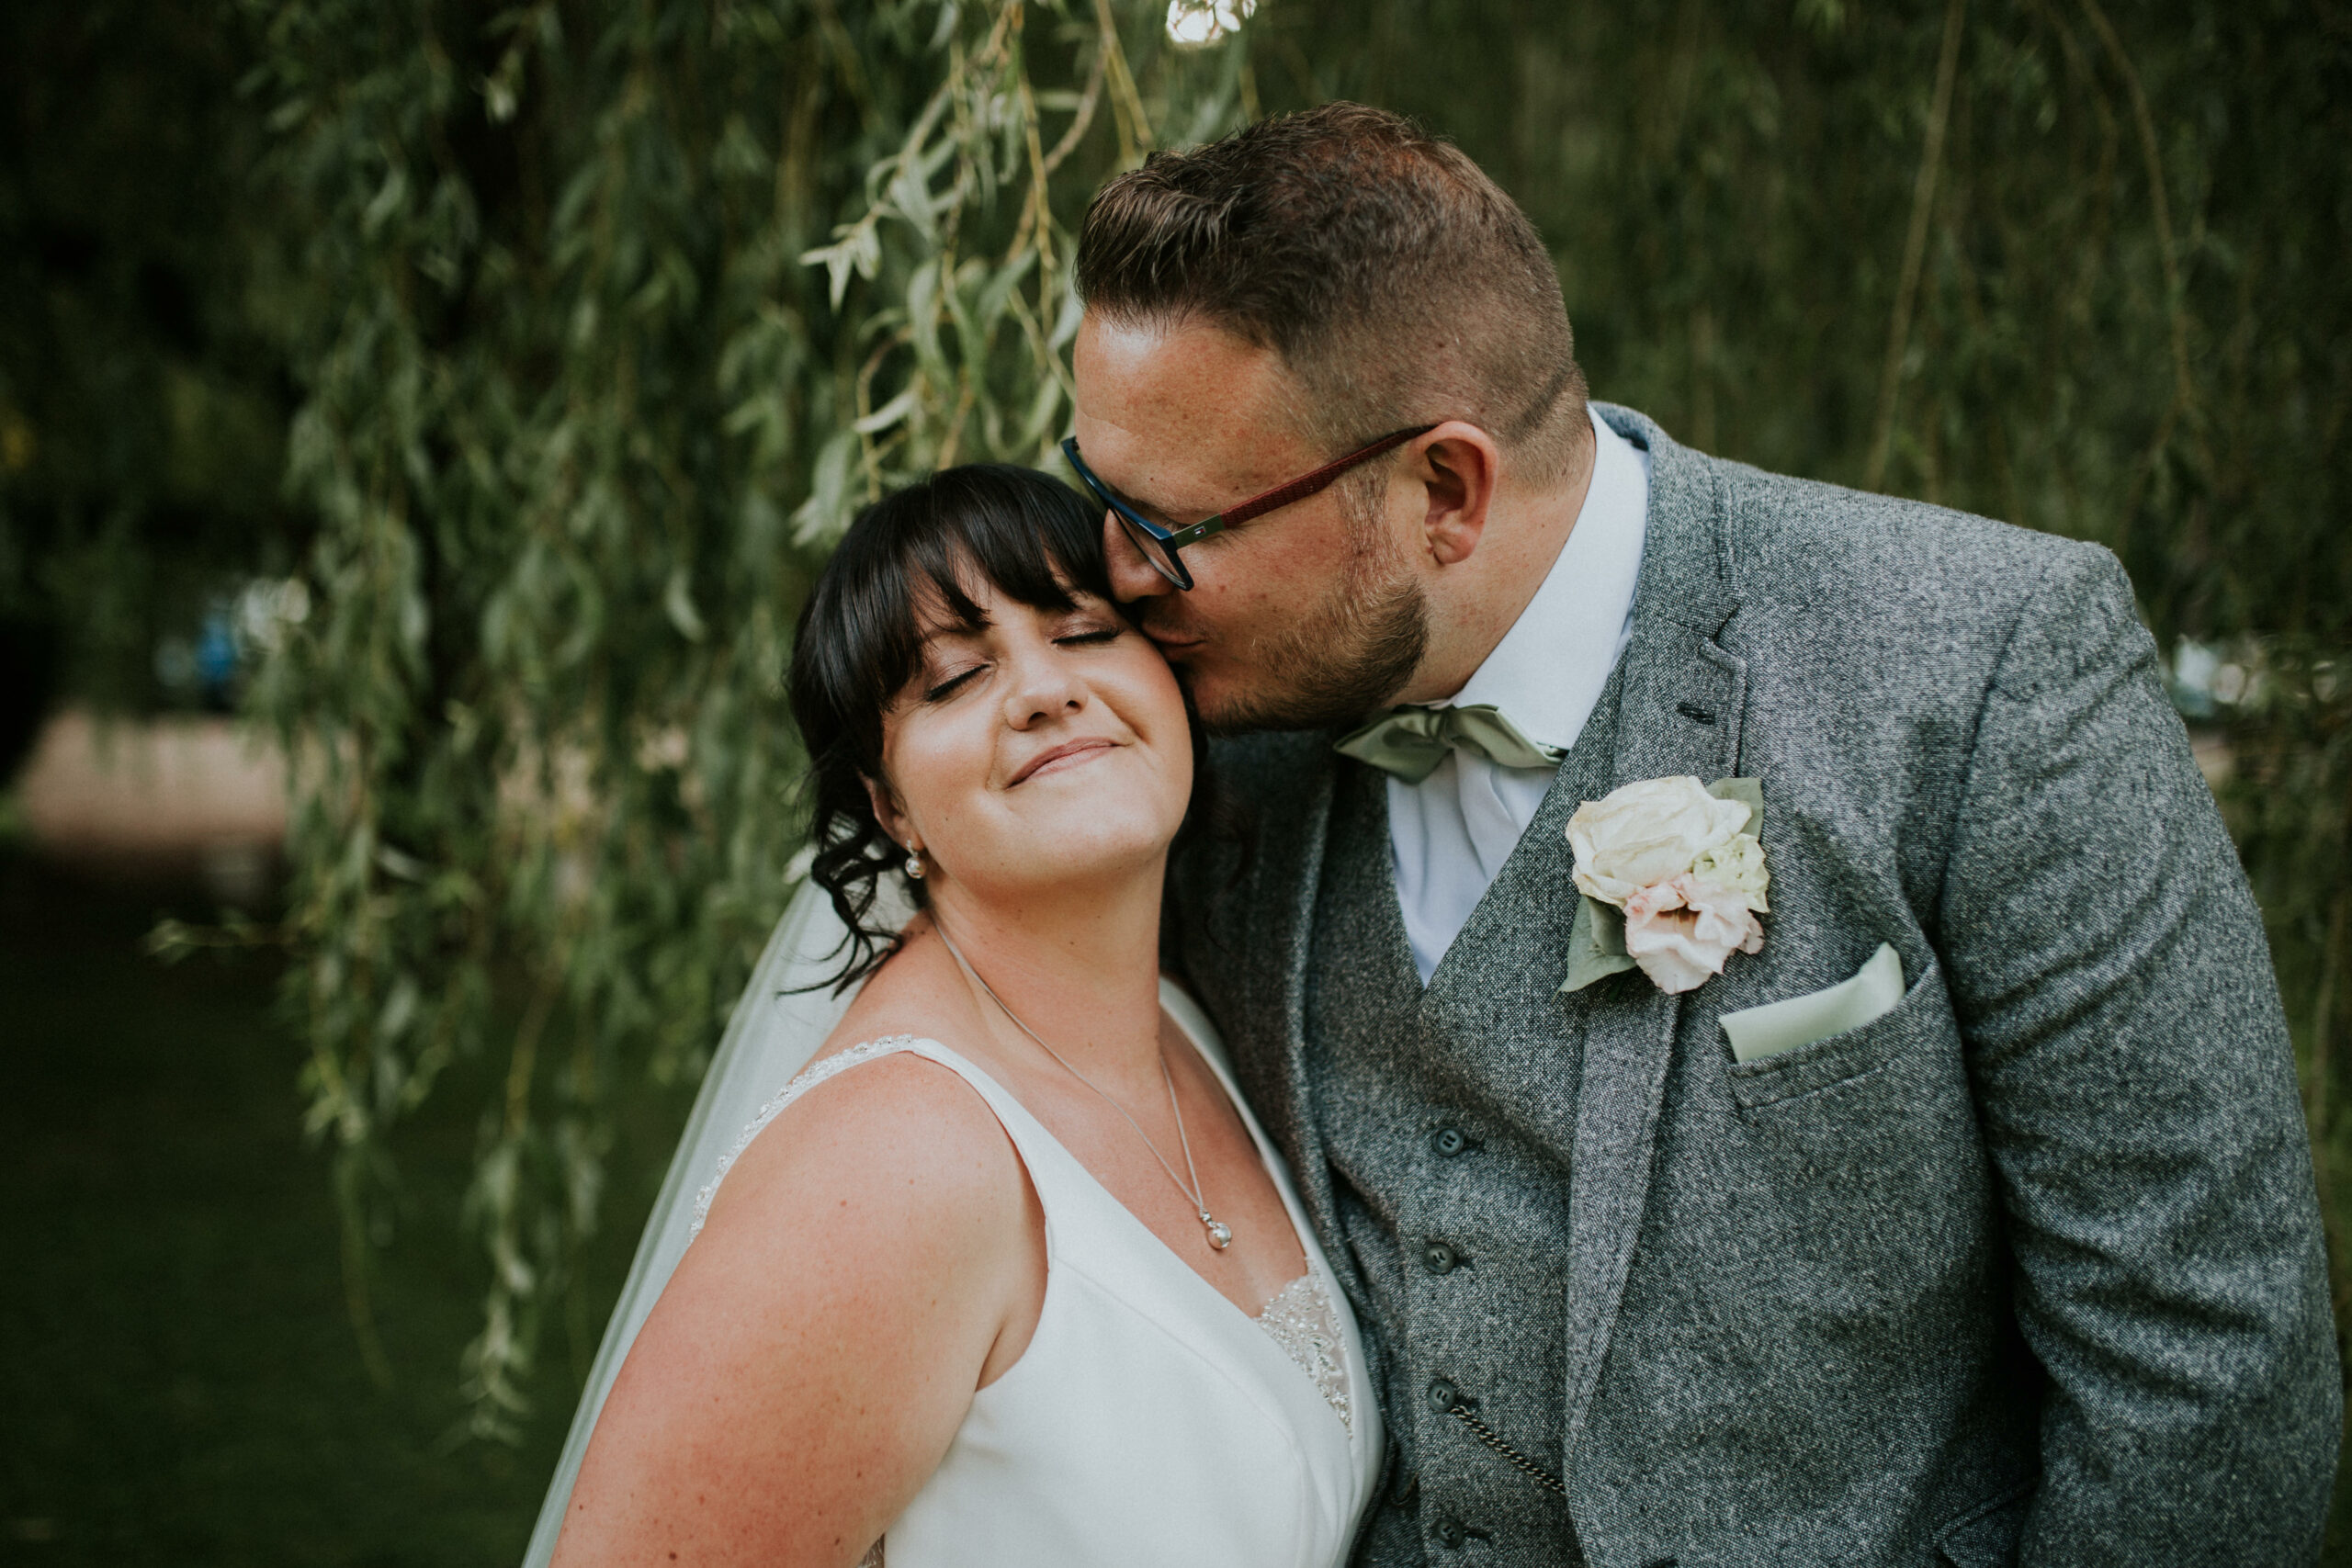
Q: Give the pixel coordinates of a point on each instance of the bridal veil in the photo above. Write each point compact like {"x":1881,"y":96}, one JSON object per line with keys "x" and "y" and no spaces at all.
{"x":784,"y":1015}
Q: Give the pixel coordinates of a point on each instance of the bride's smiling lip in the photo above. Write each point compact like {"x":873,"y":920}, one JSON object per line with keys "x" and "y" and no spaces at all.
{"x":1053,"y":754}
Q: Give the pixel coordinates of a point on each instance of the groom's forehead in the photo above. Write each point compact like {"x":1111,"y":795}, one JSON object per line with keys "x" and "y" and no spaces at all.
{"x":1188,"y":378}
{"x":1163,"y":408}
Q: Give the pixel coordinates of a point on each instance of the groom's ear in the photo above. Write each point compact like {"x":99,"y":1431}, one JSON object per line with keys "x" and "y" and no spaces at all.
{"x":1458,"y":466}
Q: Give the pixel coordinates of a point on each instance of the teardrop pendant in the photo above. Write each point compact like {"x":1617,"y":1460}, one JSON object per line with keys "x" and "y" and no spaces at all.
{"x":1220,"y":1234}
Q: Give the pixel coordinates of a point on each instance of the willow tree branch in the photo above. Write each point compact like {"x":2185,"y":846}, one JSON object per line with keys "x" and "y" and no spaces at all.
{"x":1915,"y":246}
{"x":2175,"y":300}
{"x":1086,"y":104}
{"x":1127,"y":102}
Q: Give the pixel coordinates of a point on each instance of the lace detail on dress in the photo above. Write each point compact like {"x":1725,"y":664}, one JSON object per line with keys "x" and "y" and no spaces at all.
{"x":873,"y":1558}
{"x":1302,"y":1320}
{"x":865,"y":1051}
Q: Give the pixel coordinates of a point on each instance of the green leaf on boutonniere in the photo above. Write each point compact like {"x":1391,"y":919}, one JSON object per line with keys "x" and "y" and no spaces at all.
{"x":1596,"y":944}
{"x":1748,"y":793}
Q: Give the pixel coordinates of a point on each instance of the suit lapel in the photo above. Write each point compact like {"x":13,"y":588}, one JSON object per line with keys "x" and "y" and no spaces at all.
{"x":1282,"y":906}
{"x":1680,"y":714}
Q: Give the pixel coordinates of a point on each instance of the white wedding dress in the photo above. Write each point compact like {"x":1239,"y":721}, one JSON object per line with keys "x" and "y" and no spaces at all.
{"x":1149,"y":1422}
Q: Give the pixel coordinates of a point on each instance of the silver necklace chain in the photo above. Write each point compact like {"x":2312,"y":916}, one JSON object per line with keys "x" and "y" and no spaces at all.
{"x":1220,"y":1234}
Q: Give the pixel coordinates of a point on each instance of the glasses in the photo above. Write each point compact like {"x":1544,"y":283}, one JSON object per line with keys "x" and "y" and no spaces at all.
{"x":1159,"y":544}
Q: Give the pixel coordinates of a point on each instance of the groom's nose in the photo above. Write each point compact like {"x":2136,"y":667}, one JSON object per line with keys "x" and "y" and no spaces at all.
{"x":1132,"y":577}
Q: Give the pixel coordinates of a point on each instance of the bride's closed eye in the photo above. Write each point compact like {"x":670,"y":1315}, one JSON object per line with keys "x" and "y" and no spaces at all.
{"x":948,"y":669}
{"x":1091,"y":634}
{"x":947,"y":684}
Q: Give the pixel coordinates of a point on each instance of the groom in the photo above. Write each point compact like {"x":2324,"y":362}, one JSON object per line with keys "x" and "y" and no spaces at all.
{"x":1998,"y":1243}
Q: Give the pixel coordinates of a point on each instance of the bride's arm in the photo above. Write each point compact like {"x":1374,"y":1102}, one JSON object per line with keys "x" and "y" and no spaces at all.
{"x":860,"y":1275}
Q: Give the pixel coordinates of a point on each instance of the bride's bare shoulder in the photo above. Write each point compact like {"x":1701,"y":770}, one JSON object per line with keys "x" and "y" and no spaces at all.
{"x":898,"y":1131}
{"x":916,"y":994}
{"x":896,"y":1115}
{"x":863,"y":1115}
{"x":872,"y":1256}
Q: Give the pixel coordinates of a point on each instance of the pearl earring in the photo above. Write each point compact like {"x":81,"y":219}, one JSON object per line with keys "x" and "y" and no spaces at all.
{"x":915,"y":861}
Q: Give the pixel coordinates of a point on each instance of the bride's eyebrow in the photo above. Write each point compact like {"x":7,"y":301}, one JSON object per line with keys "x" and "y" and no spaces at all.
{"x":930,"y":637}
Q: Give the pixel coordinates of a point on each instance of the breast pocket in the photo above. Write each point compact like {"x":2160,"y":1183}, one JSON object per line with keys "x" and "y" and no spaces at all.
{"x":1857,"y":1172}
{"x":1852,"y":1054}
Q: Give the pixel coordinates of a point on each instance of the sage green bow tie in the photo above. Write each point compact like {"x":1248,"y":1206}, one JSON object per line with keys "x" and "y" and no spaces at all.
{"x":1411,"y":743}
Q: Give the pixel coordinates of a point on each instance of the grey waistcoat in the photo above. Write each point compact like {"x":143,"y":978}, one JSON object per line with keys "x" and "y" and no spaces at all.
{"x":1420,"y":1132}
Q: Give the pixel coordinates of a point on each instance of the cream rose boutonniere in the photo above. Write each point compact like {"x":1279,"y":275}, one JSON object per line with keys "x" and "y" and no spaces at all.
{"x":1673,"y":878}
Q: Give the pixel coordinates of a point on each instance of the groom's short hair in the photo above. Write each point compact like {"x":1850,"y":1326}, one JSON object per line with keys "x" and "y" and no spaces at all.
{"x":1397,"y":284}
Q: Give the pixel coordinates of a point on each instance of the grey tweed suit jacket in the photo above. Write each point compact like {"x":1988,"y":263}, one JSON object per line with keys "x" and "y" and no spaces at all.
{"x":1797,"y":1289}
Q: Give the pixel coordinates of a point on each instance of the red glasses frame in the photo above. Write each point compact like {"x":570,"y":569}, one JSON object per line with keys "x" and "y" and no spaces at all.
{"x":1159,"y":544}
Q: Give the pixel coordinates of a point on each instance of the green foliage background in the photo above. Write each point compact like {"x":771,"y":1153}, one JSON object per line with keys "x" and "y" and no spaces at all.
{"x":575,"y":331}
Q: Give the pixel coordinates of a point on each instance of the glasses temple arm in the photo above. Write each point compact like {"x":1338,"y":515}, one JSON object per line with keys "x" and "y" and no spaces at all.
{"x":1307,"y":484}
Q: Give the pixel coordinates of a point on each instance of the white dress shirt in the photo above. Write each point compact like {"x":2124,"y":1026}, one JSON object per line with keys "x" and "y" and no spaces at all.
{"x":1450,"y":833}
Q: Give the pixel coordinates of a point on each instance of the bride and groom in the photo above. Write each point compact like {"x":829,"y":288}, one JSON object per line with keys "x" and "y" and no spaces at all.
{"x":1691,"y":1016}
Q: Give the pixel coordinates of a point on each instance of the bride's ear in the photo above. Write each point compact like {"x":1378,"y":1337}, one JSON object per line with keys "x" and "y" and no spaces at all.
{"x":886,"y":808}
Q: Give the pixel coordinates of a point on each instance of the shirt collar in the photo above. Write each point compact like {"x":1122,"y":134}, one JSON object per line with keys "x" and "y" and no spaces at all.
{"x":1548,"y":671}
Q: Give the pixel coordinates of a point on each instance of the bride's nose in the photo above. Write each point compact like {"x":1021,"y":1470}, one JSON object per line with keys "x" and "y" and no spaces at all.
{"x":1043,"y":687}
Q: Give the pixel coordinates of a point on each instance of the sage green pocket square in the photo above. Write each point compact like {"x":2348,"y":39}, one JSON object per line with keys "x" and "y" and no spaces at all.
{"x":1758,"y":1032}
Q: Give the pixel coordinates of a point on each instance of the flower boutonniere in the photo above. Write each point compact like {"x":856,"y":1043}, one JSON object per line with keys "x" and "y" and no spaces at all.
{"x":1672,"y":876}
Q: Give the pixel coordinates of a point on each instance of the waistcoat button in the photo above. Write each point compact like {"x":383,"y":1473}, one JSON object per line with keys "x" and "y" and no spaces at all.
{"x":1449,"y":1142}
{"x":1442,"y":1396}
{"x":1438,"y":1257}
{"x":1449,"y":1533}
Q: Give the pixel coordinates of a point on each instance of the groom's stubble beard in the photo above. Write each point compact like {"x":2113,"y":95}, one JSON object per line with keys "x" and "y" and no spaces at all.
{"x":1353,"y":652}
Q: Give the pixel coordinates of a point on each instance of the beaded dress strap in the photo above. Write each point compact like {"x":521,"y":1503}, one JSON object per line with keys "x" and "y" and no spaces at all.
{"x":864,"y":1051}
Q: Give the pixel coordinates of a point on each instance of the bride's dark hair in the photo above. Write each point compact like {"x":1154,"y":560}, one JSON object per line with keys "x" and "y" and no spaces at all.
{"x":860,"y":641}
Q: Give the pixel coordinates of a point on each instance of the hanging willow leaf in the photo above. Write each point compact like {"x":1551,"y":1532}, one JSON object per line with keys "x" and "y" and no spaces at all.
{"x":574,"y":460}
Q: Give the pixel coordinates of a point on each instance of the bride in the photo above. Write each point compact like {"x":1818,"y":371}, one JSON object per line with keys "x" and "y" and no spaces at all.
{"x":1008,"y":1274}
